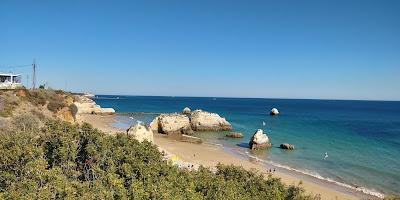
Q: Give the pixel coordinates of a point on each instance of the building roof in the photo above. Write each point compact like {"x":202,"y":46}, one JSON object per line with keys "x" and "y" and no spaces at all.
{"x":9,"y":74}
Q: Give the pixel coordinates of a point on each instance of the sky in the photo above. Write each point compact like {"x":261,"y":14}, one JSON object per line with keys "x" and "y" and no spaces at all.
{"x":342,"y":49}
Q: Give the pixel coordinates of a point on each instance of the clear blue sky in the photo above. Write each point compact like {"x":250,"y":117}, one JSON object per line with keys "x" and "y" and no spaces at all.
{"x":291,"y":49}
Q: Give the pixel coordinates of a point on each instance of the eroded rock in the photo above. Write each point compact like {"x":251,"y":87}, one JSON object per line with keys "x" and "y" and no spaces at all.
{"x":259,"y":140}
{"x":234,"y":135}
{"x":141,"y":132}
{"x":274,"y":111}
{"x":206,"y":121}
{"x":287,"y":146}
{"x":173,"y":123}
{"x":186,"y":111}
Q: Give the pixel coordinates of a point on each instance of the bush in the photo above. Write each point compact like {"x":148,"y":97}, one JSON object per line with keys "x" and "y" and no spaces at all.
{"x":64,"y":161}
{"x":37,"y":97}
{"x":55,"y":105}
{"x":26,"y":123}
{"x":55,"y":99}
{"x":8,"y":103}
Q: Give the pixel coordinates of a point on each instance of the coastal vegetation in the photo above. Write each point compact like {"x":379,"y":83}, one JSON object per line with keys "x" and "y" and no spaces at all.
{"x":66,"y":161}
{"x":46,"y":158}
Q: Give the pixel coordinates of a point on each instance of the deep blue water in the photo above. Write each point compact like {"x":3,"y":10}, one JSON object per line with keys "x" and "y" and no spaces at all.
{"x":362,"y":138}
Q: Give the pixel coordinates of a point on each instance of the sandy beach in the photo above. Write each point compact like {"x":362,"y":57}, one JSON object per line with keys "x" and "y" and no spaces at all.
{"x":210,"y":155}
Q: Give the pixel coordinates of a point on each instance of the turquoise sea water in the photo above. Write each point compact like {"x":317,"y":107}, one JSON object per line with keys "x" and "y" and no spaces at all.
{"x":362,"y":138}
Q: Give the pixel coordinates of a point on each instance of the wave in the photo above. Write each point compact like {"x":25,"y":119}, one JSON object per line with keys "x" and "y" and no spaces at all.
{"x":364,"y":190}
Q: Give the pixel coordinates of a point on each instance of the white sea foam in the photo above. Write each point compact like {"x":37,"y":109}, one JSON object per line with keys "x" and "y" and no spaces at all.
{"x":318,"y":176}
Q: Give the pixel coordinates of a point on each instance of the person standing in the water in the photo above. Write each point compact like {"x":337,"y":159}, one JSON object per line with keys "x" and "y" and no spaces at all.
{"x":326,"y":155}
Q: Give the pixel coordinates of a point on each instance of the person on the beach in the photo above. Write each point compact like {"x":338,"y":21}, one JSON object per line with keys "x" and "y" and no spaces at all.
{"x":326,"y":155}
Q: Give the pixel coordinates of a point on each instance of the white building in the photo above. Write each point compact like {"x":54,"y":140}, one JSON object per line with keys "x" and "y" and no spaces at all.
{"x":10,"y":81}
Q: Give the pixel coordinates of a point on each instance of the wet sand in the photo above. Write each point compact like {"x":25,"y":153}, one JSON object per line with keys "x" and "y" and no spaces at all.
{"x":210,"y":155}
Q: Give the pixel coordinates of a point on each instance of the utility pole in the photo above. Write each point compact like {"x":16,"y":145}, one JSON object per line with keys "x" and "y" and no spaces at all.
{"x":34,"y":74}
{"x":27,"y":81}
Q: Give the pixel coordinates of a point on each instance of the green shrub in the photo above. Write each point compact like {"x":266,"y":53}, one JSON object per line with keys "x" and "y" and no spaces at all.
{"x":37,"y":97}
{"x":55,"y":105}
{"x":64,"y":161}
{"x":8,"y":103}
{"x":26,"y":123}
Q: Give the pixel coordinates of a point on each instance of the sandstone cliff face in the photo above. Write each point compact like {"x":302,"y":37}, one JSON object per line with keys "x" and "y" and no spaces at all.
{"x":259,"y":140}
{"x":66,"y":115}
{"x":173,"y":123}
{"x":205,"y":121}
{"x":141,"y":132}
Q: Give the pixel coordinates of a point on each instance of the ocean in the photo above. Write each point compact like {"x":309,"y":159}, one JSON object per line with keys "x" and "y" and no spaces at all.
{"x":362,"y":138}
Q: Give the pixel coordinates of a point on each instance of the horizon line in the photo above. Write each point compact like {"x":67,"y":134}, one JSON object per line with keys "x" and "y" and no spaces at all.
{"x":235,"y":97}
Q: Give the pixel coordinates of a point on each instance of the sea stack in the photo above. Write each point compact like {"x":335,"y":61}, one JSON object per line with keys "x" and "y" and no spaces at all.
{"x":259,"y":140}
{"x":274,"y":111}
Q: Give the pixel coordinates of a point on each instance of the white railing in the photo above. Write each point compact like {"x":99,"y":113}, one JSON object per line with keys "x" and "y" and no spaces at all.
{"x":9,"y":85}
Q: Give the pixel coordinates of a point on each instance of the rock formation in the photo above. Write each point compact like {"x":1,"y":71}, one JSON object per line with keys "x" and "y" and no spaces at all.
{"x":186,"y":111}
{"x":85,"y":105}
{"x":259,"y":140}
{"x":141,"y":132}
{"x":66,"y":115}
{"x":274,"y":111}
{"x":154,"y":125}
{"x":234,"y":135}
{"x":287,"y":146}
{"x":205,"y":121}
{"x":173,"y":123}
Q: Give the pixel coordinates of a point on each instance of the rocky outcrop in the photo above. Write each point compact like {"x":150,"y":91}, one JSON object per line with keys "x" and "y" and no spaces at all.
{"x":274,"y":111}
{"x":173,"y":123}
{"x":154,"y":125}
{"x":66,"y":115}
{"x":205,"y":121}
{"x":287,"y":146}
{"x":186,"y":111}
{"x":84,"y":105}
{"x":141,"y":132}
{"x":259,"y":140}
{"x":234,"y":135}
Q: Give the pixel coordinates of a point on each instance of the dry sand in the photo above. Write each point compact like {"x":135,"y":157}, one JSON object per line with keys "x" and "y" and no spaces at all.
{"x":210,"y":155}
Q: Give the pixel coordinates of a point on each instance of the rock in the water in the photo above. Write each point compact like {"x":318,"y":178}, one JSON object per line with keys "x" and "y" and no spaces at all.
{"x":274,"y":111}
{"x":287,"y":146}
{"x":186,"y":111}
{"x":259,"y":140}
{"x":205,"y":121}
{"x":173,"y":123}
{"x":141,"y":132}
{"x":235,"y":135}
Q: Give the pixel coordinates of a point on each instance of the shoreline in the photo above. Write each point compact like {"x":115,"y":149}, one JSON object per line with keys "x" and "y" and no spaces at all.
{"x":209,"y":155}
